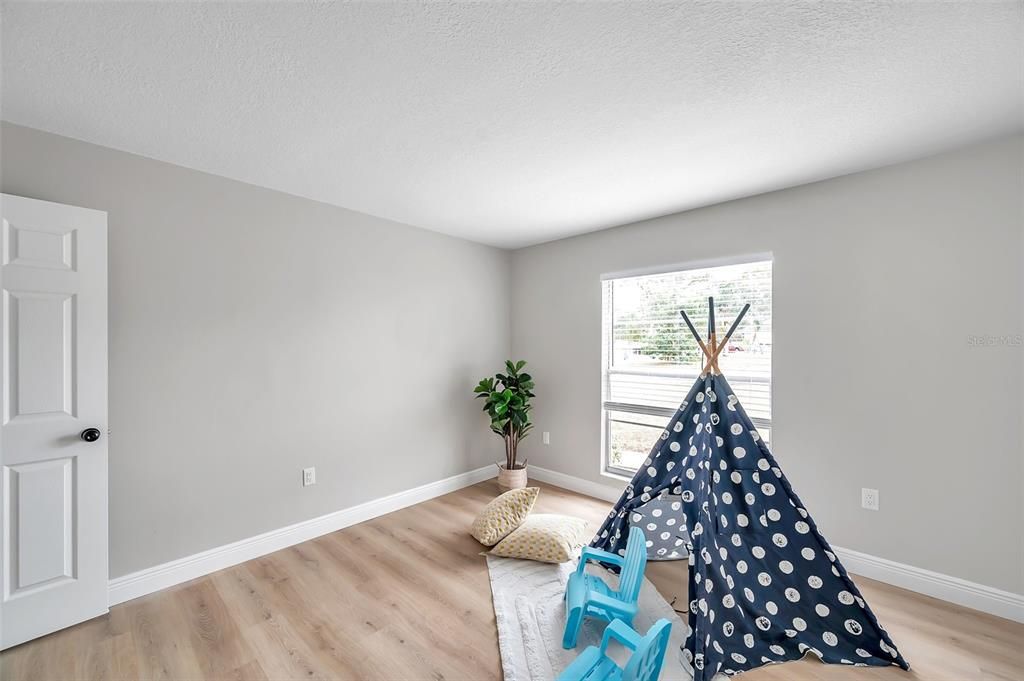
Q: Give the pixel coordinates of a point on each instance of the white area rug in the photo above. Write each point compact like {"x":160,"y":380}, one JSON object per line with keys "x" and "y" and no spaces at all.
{"x":531,"y":618}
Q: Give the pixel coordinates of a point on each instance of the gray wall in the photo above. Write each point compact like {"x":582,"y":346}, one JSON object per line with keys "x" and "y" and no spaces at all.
{"x":891,"y":271}
{"x":253,"y":333}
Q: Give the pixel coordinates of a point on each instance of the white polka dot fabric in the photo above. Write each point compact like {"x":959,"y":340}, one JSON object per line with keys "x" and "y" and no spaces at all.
{"x":764,"y":585}
{"x":660,"y":520}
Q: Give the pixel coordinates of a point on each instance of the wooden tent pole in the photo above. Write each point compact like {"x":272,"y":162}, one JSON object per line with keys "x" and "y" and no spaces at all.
{"x":693,"y":330}
{"x":736,"y":323}
{"x":711,"y":316}
{"x":716,"y":351}
{"x":712,"y":337}
{"x":712,"y":349}
{"x":713,"y":358}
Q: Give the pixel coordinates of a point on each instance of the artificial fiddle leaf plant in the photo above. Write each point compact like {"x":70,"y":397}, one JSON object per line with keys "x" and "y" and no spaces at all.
{"x":507,"y":403}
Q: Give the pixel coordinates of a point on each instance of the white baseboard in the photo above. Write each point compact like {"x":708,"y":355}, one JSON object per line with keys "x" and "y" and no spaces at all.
{"x":152,"y":579}
{"x":935,"y":584}
{"x":571,"y":482}
{"x":944,"y":587}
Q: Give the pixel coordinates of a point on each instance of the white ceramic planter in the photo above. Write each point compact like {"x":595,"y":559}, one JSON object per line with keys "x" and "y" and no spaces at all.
{"x":511,"y":479}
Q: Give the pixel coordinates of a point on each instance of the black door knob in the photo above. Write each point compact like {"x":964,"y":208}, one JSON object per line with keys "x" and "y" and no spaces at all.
{"x":90,"y":434}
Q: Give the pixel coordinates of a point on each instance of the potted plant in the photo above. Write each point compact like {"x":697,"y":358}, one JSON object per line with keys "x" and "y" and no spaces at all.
{"x":507,"y":403}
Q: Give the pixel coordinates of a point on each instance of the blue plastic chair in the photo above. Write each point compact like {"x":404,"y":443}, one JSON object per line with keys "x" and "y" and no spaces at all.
{"x":589,"y":596}
{"x":644,"y":663}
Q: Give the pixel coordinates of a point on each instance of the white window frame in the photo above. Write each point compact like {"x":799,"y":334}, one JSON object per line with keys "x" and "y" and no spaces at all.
{"x":621,"y":473}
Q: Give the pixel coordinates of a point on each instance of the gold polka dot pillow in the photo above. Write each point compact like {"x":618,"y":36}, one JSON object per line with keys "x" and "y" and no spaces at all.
{"x":503,"y":515}
{"x":546,"y":537}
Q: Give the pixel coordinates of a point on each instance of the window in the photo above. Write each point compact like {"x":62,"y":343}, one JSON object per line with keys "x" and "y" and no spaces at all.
{"x":650,"y":360}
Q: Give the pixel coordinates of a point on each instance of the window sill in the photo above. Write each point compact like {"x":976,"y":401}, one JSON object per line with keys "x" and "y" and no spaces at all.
{"x":614,"y":475}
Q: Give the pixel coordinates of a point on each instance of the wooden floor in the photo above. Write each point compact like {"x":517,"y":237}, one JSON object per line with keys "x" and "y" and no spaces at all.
{"x":406,"y":596}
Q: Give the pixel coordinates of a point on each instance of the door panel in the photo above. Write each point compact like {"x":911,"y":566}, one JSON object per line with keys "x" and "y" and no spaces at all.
{"x":51,"y":249}
{"x":41,"y":504}
{"x":53,"y":375}
{"x":40,"y":338}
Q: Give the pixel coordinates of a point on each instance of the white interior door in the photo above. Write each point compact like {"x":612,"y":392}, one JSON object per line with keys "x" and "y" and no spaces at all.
{"x":53,"y":380}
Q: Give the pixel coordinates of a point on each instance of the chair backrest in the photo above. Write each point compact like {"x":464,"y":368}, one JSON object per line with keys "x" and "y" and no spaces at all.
{"x":645,"y":663}
{"x":633,"y":562}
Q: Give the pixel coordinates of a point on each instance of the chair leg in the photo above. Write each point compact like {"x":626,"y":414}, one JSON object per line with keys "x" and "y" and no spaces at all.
{"x":573,"y":620}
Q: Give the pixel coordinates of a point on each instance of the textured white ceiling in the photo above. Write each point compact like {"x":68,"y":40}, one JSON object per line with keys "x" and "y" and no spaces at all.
{"x":515,"y":123}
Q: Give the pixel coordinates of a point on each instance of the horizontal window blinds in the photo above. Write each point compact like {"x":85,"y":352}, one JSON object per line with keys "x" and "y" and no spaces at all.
{"x":650,"y":359}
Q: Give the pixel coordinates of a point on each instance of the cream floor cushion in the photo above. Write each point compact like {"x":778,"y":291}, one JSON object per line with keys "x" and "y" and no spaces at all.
{"x":547,"y":537}
{"x":503,"y":514}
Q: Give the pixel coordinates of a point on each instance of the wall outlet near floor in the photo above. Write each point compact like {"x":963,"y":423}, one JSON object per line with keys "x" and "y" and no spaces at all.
{"x":869,"y":499}
{"x":308,"y":477}
{"x":546,"y":437}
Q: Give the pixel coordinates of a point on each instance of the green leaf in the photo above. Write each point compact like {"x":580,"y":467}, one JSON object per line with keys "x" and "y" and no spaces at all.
{"x":520,"y":364}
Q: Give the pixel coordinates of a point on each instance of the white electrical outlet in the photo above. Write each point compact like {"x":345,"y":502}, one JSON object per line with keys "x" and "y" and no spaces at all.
{"x":308,"y":477}
{"x":546,"y":438}
{"x":869,"y":499}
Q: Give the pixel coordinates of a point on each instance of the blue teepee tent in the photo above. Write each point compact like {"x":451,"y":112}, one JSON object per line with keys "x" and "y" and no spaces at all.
{"x":764,"y":585}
